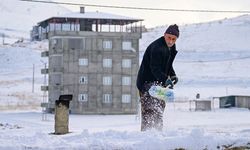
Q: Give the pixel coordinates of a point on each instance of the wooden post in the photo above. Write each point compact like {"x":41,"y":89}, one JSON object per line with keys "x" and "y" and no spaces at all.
{"x":33,"y":78}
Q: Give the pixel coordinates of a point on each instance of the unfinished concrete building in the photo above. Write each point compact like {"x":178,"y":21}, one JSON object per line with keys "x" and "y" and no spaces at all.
{"x":95,"y":57}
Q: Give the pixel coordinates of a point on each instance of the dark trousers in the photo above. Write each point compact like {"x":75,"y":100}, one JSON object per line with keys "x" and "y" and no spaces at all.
{"x":152,"y":110}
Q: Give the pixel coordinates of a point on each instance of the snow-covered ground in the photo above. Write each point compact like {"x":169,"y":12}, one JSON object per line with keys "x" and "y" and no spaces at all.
{"x":192,"y":130}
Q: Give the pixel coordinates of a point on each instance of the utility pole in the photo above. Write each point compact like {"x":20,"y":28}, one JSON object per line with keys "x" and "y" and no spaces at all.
{"x":3,"y":38}
{"x":226,"y":90}
{"x":33,"y":78}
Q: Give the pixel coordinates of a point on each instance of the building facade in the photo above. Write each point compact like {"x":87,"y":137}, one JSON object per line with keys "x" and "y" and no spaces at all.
{"x":98,"y":64}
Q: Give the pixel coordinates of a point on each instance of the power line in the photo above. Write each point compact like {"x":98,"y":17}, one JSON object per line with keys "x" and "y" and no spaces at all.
{"x":218,"y":60}
{"x":141,"y":8}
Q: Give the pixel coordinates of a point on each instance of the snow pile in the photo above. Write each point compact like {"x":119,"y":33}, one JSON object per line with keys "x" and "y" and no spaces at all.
{"x":217,"y":129}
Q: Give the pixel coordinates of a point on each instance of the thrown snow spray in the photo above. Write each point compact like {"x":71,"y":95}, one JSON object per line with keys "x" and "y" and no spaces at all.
{"x":161,"y":93}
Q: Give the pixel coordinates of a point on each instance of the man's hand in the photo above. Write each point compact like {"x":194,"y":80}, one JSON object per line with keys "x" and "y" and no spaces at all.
{"x":169,"y":83}
{"x":174,"y":79}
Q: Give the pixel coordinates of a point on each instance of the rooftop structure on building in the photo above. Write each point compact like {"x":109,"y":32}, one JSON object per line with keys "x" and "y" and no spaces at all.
{"x":86,"y":21}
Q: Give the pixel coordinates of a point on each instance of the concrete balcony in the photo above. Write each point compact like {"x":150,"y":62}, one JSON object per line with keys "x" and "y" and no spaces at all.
{"x":44,"y":88}
{"x":45,"y":54}
{"x":56,"y":87}
{"x":44,"y":104}
{"x":45,"y":71}
{"x":59,"y":69}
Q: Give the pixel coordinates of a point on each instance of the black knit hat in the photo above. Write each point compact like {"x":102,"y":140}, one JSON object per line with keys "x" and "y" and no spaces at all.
{"x":173,"y":29}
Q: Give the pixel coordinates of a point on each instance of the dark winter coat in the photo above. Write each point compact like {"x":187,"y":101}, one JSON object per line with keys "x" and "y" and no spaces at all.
{"x":156,"y":63}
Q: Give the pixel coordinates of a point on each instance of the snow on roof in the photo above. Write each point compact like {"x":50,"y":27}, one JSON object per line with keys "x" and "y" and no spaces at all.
{"x":95,"y":15}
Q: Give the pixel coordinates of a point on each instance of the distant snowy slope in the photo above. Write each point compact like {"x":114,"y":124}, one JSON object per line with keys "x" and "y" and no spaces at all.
{"x":222,"y":35}
{"x":18,"y":17}
{"x":16,"y":75}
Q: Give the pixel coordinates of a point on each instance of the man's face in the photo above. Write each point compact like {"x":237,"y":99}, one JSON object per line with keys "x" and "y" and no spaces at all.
{"x":170,"y":39}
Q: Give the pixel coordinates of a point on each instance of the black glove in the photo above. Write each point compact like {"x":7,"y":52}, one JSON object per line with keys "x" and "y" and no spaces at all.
{"x":174,"y":79}
{"x":169,"y":83}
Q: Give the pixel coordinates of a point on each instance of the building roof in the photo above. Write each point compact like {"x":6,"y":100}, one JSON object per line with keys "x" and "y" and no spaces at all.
{"x":95,"y":15}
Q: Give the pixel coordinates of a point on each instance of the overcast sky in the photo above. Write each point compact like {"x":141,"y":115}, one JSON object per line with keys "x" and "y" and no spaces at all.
{"x":157,"y":18}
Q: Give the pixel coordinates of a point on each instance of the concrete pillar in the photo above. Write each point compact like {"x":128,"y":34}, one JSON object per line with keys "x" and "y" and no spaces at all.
{"x":62,"y":114}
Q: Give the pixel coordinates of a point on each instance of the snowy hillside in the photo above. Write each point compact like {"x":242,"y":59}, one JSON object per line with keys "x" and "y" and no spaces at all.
{"x":221,"y":35}
{"x":17,"y":58}
{"x":16,"y":75}
{"x":18,"y":17}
